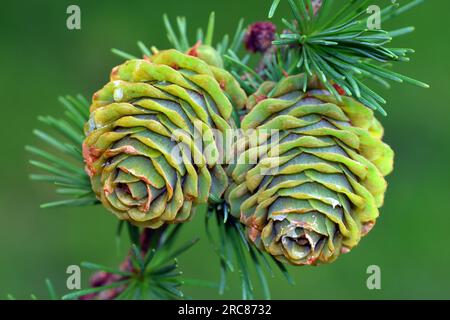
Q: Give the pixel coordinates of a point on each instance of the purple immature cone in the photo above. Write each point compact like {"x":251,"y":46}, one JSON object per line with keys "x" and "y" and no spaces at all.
{"x":259,"y":36}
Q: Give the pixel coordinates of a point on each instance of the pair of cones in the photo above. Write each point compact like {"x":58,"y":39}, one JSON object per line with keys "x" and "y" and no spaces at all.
{"x":319,"y":199}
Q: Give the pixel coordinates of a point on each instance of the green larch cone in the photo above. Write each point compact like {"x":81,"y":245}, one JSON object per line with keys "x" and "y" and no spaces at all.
{"x":316,"y":186}
{"x":147,"y":133}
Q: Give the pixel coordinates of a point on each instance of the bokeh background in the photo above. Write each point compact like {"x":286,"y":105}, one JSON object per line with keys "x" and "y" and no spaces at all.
{"x":41,"y":59}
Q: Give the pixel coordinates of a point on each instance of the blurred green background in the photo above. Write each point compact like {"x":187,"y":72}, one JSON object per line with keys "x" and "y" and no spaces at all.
{"x":41,"y":59}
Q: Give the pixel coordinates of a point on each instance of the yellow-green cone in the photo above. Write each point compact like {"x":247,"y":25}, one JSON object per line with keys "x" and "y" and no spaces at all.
{"x":315,"y":189}
{"x":147,"y":133}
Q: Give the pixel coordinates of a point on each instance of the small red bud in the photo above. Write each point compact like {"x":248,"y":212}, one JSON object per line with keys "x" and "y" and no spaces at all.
{"x":259,"y":36}
{"x":339,"y":89}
